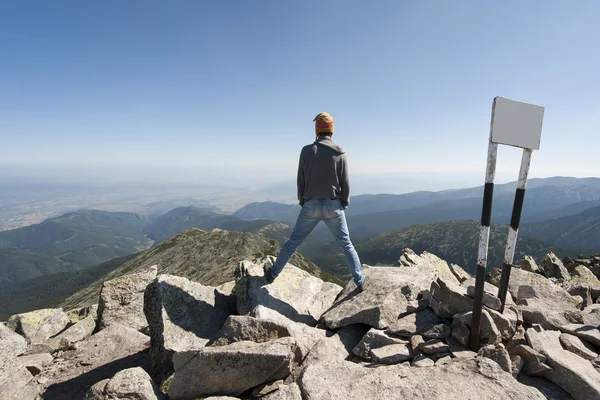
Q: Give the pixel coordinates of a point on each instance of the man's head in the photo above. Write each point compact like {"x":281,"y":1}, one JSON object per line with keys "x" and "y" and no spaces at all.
{"x":323,"y":124}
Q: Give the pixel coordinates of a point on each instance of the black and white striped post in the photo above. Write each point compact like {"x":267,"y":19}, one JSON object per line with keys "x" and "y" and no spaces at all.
{"x":514,"y":124}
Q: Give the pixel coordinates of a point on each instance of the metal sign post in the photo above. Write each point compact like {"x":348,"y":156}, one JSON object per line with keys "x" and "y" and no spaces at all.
{"x":514,"y":124}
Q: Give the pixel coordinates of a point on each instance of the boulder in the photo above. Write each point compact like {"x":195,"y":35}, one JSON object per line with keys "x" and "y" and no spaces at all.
{"x":414,"y":324}
{"x":434,"y":346}
{"x":38,"y":349}
{"x":457,"y":350}
{"x":37,"y":326}
{"x":295,"y":293}
{"x":78,"y":314}
{"x":460,"y":332}
{"x":11,"y":343}
{"x":575,"y":345}
{"x":337,"y":347}
{"x":306,"y":336}
{"x":285,"y":392}
{"x":587,"y":333}
{"x":547,"y":388}
{"x":505,"y":322}
{"x":385,"y":296}
{"x":516,"y":365}
{"x":76,"y":333}
{"x":534,"y":363}
{"x":35,"y":363}
{"x":529,"y":264}
{"x":392,"y":354}
{"x":552,"y":267}
{"x":132,"y":383}
{"x":439,"y":331}
{"x":490,"y":294}
{"x":569,"y":371}
{"x":96,"y":392}
{"x":422,"y":361}
{"x":435,"y":266}
{"x":182,"y":315}
{"x":591,"y":315}
{"x":517,"y":339}
{"x":460,"y":274}
{"x":488,"y":332}
{"x":14,"y":377}
{"x":231,"y":369}
{"x":499,"y":355}
{"x":415,"y":341}
{"x":238,"y":328}
{"x":459,"y":380}
{"x":122,"y":300}
{"x":372,"y":340}
{"x":448,"y":298}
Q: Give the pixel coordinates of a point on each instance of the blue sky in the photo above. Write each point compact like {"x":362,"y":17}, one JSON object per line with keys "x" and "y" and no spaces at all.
{"x":201,"y":90}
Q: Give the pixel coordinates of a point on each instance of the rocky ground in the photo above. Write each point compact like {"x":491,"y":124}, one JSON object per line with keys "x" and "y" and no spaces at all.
{"x":404,"y":336}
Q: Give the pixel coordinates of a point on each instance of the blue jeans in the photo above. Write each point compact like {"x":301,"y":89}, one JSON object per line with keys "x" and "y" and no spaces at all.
{"x":332,"y":213}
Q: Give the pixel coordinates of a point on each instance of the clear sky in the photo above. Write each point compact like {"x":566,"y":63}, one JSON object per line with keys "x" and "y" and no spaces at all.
{"x":205,"y":89}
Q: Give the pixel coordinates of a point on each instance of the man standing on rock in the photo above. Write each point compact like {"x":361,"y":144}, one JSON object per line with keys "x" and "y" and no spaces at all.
{"x":324,"y":194}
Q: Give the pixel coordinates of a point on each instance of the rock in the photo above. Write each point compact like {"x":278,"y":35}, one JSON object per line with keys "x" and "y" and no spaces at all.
{"x":490,"y":298}
{"x":534,"y":363}
{"x":460,"y":274}
{"x":552,"y":320}
{"x":38,"y":326}
{"x":392,"y":354}
{"x":122,"y":300}
{"x":231,"y":369}
{"x":295,"y":293}
{"x":228,"y":290}
{"x":516,"y":365}
{"x":506,"y":322}
{"x":33,"y":349}
{"x":76,"y":333}
{"x":569,"y":371}
{"x":422,"y":361}
{"x":458,"y":350}
{"x":415,"y":341}
{"x":337,"y":347}
{"x":449,"y":298}
{"x":79,"y":314}
{"x":285,"y":392}
{"x":35,"y":363}
{"x":12,"y":343}
{"x":499,"y":355}
{"x":306,"y":336}
{"x":221,"y":398}
{"x":488,"y":332}
{"x":517,"y":339}
{"x":434,"y":346}
{"x":182,"y":315}
{"x":460,"y":332}
{"x":96,"y":392}
{"x":13,"y":378}
{"x":584,"y":332}
{"x":591,"y":315}
{"x":372,"y":340}
{"x":414,"y":324}
{"x":443,"y":361}
{"x":385,"y":296}
{"x":440,"y":331}
{"x":552,"y":267}
{"x":529,"y":264}
{"x":547,"y":388}
{"x":132,"y":383}
{"x":266,"y":388}
{"x":466,"y":379}
{"x":575,"y":345}
{"x":243,"y":327}
{"x":430,"y":263}
{"x":98,"y":357}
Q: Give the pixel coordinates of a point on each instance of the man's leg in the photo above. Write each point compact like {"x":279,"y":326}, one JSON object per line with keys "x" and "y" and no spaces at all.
{"x":336,"y":221}
{"x":307,"y":220}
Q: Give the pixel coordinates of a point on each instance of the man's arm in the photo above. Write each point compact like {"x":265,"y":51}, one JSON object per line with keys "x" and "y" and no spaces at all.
{"x":344,"y":181}
{"x":301,"y":178}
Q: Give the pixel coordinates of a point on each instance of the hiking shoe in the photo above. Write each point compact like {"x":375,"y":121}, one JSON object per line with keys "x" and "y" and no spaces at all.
{"x":268,"y":275}
{"x":359,"y":287}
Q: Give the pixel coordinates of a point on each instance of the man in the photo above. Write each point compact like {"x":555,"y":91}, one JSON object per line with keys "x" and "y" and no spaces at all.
{"x":324,"y":194}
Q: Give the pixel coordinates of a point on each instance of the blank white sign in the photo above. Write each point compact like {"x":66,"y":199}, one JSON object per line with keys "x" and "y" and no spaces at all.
{"x":516,"y":124}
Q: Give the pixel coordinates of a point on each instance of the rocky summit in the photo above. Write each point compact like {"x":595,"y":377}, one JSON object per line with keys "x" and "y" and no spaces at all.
{"x":153,"y":335}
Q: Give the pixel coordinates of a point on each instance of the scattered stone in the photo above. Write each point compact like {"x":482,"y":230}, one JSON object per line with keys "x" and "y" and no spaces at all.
{"x":460,"y":274}
{"x":96,"y":392}
{"x":372,"y":340}
{"x":584,"y":332}
{"x":506,"y":322}
{"x":12,"y":343}
{"x":337,"y":347}
{"x":489,"y":294}
{"x":295,"y":293}
{"x":242,"y":327}
{"x":422,"y":361}
{"x":231,"y":369}
{"x":132,"y":383}
{"x":427,"y":262}
{"x":182,"y":315}
{"x":458,"y":350}
{"x":591,"y":315}
{"x":434,"y":346}
{"x":265,"y":389}
{"x":386,"y":295}
{"x":37,"y":349}
{"x":392,"y":354}
{"x":486,"y":380}
{"x":122,"y":300}
{"x":449,"y":298}
{"x":13,"y":378}
{"x":440,"y":331}
{"x":37,"y":326}
{"x":76,"y":333}
{"x":517,"y":339}
{"x":575,"y":345}
{"x":460,"y":332}
{"x":415,"y":341}
{"x":517,"y":365}
{"x":414,"y":324}
{"x":285,"y":392}
{"x":498,"y":355}
{"x":443,"y":361}
{"x":534,"y":363}
{"x":552,"y":267}
{"x":488,"y":332}
{"x":547,"y":388}
{"x":529,"y":264}
{"x":569,"y":371}
{"x":35,"y":363}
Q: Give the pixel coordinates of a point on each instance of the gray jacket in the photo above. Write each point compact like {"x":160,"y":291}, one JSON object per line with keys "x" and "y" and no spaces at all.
{"x":323,"y":172}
